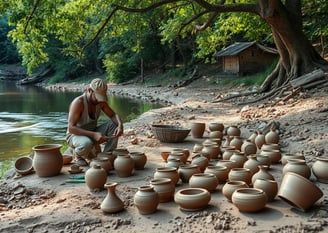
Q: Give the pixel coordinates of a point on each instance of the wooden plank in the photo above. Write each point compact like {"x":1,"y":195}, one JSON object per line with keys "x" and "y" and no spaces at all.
{"x":307,"y":78}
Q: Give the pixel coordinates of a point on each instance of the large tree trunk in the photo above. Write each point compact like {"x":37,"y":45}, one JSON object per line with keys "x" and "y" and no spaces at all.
{"x":297,"y":55}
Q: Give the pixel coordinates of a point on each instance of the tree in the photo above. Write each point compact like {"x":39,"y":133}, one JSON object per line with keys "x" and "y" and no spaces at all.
{"x":79,"y":23}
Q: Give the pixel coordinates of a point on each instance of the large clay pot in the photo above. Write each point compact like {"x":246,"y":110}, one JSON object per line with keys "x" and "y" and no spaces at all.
{"x":192,"y":199}
{"x":95,"y":177}
{"x":213,"y":150}
{"x":252,"y":164}
{"x":200,"y":160}
{"x":233,"y":131}
{"x":124,"y":165}
{"x":221,"y":172}
{"x":197,"y":129}
{"x":263,"y":173}
{"x":260,"y":139}
{"x":164,"y":187}
{"x":239,"y":158}
{"x":298,"y":191}
{"x":272,"y":136}
{"x":270,"y":187}
{"x":47,"y":160}
{"x":215,"y":126}
{"x":167,"y":172}
{"x":237,"y":142}
{"x":320,"y":169}
{"x":285,"y":157}
{"x":140,"y":160}
{"x":204,"y":180}
{"x":231,"y":186}
{"x":227,"y":152}
{"x":146,"y":200}
{"x":297,"y":166}
{"x":242,"y":174}
{"x":249,"y":199}
{"x":112,"y":203}
{"x":186,"y":171}
{"x":248,"y":147}
{"x":103,"y":162}
{"x":274,"y":155}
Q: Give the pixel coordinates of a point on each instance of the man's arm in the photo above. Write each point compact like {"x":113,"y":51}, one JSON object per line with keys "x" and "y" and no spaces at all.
{"x":114,"y":117}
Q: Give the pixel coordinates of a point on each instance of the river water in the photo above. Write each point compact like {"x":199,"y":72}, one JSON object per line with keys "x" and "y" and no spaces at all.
{"x":32,"y":116}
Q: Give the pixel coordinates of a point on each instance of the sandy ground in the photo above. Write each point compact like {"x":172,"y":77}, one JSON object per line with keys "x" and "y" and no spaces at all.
{"x":34,"y":204}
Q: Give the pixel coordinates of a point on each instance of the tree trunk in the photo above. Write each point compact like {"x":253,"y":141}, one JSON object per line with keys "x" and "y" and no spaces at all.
{"x":297,"y":55}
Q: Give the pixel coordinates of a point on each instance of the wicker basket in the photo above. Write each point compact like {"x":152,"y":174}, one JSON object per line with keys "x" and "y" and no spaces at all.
{"x":170,"y":133}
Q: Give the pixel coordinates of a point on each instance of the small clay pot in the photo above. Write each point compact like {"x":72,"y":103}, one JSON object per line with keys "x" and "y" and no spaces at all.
{"x":164,"y":187}
{"x":259,"y":139}
{"x":320,"y":168}
{"x":239,"y":158}
{"x":103,"y":162}
{"x":275,"y":155}
{"x":23,"y":165}
{"x":200,"y":160}
{"x":285,"y":157}
{"x":221,"y":172}
{"x":237,"y":142}
{"x":186,"y":171}
{"x":95,"y":177}
{"x":112,"y":203}
{"x":124,"y":165}
{"x":272,"y":136}
{"x":165,"y":155}
{"x":192,"y":199}
{"x":252,"y":164}
{"x":215,"y":126}
{"x":146,"y":200}
{"x":248,"y":147}
{"x":233,"y":131}
{"x":231,"y":186}
{"x":140,"y":160}
{"x":263,"y":173}
{"x":249,"y":199}
{"x":167,"y":172}
{"x":240,"y":174}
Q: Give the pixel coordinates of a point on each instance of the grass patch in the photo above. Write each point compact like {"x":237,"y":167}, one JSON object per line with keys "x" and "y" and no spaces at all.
{"x":4,"y":167}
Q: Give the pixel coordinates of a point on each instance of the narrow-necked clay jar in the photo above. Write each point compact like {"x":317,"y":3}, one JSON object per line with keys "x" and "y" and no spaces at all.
{"x":167,"y":172}
{"x":252,"y":137}
{"x":297,"y":166}
{"x":263,"y":173}
{"x":249,"y":199}
{"x":260,"y":139}
{"x":139,"y":158}
{"x":186,"y":171}
{"x":242,"y":174}
{"x":231,"y":186}
{"x":112,"y":203}
{"x":272,"y":136}
{"x":204,"y":180}
{"x":320,"y":169}
{"x":164,"y":187}
{"x":95,"y":177}
{"x":270,"y":187}
{"x":237,"y":142}
{"x":221,"y":172}
{"x":146,"y":200}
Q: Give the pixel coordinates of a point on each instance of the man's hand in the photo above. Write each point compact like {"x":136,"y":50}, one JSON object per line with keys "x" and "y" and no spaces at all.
{"x":100,"y":138}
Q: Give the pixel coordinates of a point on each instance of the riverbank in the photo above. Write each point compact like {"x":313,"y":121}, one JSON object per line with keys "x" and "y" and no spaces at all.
{"x":34,"y":204}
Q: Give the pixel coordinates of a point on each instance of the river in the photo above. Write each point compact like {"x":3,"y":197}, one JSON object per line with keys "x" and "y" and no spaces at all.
{"x":31,"y":115}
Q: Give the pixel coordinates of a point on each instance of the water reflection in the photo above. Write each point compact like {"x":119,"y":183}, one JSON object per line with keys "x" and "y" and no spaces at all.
{"x":31,"y":116}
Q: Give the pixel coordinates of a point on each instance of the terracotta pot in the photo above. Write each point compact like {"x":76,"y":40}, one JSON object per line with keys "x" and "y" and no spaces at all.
{"x":215,"y":126}
{"x":173,"y":163}
{"x":221,"y":172}
{"x":23,"y":165}
{"x":275,"y":155}
{"x":177,"y":155}
{"x":233,"y":131}
{"x":204,"y":180}
{"x":239,"y":158}
{"x":215,"y":134}
{"x":297,"y":166}
{"x":260,"y":139}
{"x":197,"y":148}
{"x":226,"y":163}
{"x":197,"y":129}
{"x":249,"y":199}
{"x":252,"y":137}
{"x":167,"y":172}
{"x":292,"y":190}
{"x":164,"y":188}
{"x":248,"y":147}
{"x":270,"y":187}
{"x":112,"y":203}
{"x":140,"y":160}
{"x":227,"y":152}
{"x":200,"y":160}
{"x":231,"y":186}
{"x":186,"y":171}
{"x":111,"y":157}
{"x":252,"y":164}
{"x":146,"y":200}
{"x":95,"y":177}
{"x":47,"y":160}
{"x":227,"y":141}
{"x":185,"y":152}
{"x":272,"y":136}
{"x":165,"y":155}
{"x":264,"y":160}
{"x":212,"y":150}
{"x":124,"y":165}
{"x":263,"y":173}
{"x":67,"y":159}
{"x":237,"y":142}
{"x":103,"y":162}
{"x":287,"y":156}
{"x":270,"y":146}
{"x":192,"y":199}
{"x":320,"y":168}
{"x":240,"y":174}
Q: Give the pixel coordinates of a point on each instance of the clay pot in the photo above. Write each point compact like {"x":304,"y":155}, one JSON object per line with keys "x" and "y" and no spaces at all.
{"x":212,"y":150}
{"x":270,"y":146}
{"x":197,"y":129}
{"x":215,"y":126}
{"x":177,"y":155}
{"x":197,"y":148}
{"x":47,"y":160}
{"x":221,"y":172}
{"x":173,"y":163}
{"x":239,"y":158}
{"x":227,"y":141}
{"x":111,"y":157}
{"x":204,"y":180}
{"x":264,"y":160}
{"x":227,"y":152}
{"x":274,"y":155}
{"x":167,"y":172}
{"x":185,"y":152}
{"x":164,"y":188}
{"x":240,"y":174}
{"x":249,"y":199}
{"x":192,"y":199}
{"x":252,"y":137}
{"x":320,"y":168}
{"x":226,"y":163}
{"x":95,"y":177}
{"x":200,"y":160}
{"x":67,"y":159}
{"x":139,"y":159}
{"x":260,"y":139}
{"x":293,"y":189}
{"x":112,"y":203}
{"x":233,"y":131}
{"x":231,"y":186}
{"x":297,"y":166}
{"x":186,"y":171}
{"x":272,"y":136}
{"x":23,"y":165}
{"x":146,"y":200}
{"x":103,"y":162}
{"x":287,"y":156}
{"x":252,"y":164}
{"x":263,"y":173}
{"x":237,"y":142}
{"x":165,"y":155}
{"x":248,"y":147}
{"x":124,"y":165}
{"x":270,"y":187}
{"x":215,"y":134}
{"x":120,"y":151}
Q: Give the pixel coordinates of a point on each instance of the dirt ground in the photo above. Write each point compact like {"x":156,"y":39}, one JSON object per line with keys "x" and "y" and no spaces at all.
{"x":34,"y":204}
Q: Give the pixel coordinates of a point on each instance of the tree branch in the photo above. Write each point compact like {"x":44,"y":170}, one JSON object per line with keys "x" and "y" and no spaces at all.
{"x":31,"y":15}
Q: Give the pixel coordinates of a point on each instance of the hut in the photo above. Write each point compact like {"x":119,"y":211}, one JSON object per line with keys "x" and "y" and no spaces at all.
{"x":243,"y":58}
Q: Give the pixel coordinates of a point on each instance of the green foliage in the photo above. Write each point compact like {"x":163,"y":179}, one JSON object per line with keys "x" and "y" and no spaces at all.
{"x":4,"y":167}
